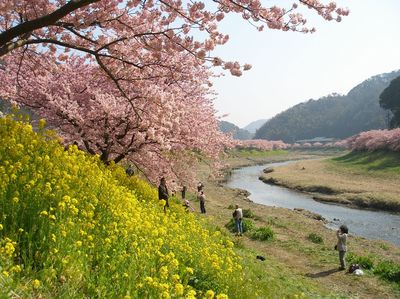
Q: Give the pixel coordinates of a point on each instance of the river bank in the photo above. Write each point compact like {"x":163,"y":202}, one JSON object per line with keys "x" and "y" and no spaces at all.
{"x":292,"y":260}
{"x":337,"y":181}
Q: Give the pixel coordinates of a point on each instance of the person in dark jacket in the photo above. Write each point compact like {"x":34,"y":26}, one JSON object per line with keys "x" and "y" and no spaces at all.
{"x":163,"y":193}
{"x":202,"y":199}
{"x":183,"y":192}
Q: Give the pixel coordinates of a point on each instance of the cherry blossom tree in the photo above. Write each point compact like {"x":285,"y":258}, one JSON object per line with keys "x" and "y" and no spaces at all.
{"x":130,"y":79}
{"x":261,"y":144}
{"x":157,"y":134}
{"x":375,"y":140}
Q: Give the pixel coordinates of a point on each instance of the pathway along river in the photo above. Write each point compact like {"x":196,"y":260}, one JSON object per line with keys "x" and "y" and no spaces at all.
{"x":369,"y":224}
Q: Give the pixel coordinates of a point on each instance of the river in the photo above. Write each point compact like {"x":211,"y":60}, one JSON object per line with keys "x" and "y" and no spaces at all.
{"x":368,"y":224}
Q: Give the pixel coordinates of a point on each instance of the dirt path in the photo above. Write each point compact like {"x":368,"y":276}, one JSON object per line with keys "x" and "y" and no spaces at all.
{"x":292,"y":249}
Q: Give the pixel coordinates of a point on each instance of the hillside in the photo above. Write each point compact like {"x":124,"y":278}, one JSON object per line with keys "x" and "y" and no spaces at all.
{"x":336,"y":116}
{"x":255,"y":125}
{"x":237,"y":133}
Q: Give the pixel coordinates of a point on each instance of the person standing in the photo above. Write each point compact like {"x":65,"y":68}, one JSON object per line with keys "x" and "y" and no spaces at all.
{"x":202,"y":199}
{"x":163,"y":193}
{"x":183,"y":192}
{"x":341,"y":234}
{"x":238,"y":216}
{"x":200,"y":186}
{"x":130,"y":171}
{"x":173,"y":188}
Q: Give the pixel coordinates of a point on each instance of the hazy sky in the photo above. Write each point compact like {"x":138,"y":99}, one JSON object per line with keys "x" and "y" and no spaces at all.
{"x":289,"y":68}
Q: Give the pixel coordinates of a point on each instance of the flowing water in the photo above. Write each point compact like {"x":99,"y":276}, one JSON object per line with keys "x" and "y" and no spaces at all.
{"x":365,"y":223}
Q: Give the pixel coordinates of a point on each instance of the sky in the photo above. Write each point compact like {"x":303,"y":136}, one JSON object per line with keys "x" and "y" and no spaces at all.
{"x":290,"y":68}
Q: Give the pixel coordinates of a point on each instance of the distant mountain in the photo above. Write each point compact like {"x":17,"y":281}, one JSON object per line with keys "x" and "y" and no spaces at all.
{"x":333,"y":116}
{"x":237,"y":132}
{"x":255,"y":125}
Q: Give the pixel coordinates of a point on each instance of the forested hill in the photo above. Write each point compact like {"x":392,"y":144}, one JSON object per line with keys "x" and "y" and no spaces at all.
{"x":336,"y":116}
{"x":237,"y":133}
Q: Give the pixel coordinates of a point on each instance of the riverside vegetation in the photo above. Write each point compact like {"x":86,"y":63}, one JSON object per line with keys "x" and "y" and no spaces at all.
{"x":72,"y":227}
{"x":363,"y":179}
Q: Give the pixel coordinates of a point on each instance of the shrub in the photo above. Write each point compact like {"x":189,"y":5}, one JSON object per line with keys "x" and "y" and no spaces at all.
{"x":388,"y":271}
{"x":247,"y":213}
{"x":247,"y":225}
{"x":263,"y":234}
{"x":315,"y":238}
{"x":364,"y":261}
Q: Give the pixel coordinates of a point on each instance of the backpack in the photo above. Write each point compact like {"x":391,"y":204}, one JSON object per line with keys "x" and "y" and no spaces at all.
{"x":354,"y":267}
{"x":234,"y":214}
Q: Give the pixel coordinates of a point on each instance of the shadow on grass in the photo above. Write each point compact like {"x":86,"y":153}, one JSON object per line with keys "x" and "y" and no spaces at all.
{"x":379,"y":160}
{"x":323,"y":273}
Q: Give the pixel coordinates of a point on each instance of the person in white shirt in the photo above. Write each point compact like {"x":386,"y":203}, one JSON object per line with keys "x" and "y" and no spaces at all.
{"x":238,"y":215}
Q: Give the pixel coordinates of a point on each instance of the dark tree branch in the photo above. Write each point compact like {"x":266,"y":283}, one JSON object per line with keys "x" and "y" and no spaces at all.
{"x":29,"y":26}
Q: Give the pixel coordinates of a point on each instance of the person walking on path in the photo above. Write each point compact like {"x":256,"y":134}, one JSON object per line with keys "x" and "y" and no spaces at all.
{"x":163,"y":193}
{"x":341,"y":234}
{"x":202,"y":199}
{"x":238,"y":215}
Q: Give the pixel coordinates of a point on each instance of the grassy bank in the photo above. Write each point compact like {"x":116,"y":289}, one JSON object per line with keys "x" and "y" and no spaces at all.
{"x":300,"y":256}
{"x":368,"y":180}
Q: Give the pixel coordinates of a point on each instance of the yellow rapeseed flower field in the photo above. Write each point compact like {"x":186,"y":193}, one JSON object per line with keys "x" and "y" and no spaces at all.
{"x":71,"y":227}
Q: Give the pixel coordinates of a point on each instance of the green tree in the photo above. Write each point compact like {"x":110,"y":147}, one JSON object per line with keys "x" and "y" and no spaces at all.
{"x":390,"y":100}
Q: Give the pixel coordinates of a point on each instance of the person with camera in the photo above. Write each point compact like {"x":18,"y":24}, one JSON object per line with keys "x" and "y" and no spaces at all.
{"x":341,"y":246}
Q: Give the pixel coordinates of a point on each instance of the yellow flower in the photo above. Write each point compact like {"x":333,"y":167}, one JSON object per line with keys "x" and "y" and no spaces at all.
{"x":148,"y":280}
{"x":1,"y":226}
{"x":5,"y":274}
{"x":175,"y":278}
{"x":36,"y":284}
{"x":189,"y":270}
{"x":43,"y":213}
{"x":222,"y":296}
{"x":42,"y":123}
{"x":16,"y":269}
{"x":164,"y":272}
{"x":179,"y":289}
{"x":209,"y":294}
{"x":9,"y":249}
{"x":191,"y":294}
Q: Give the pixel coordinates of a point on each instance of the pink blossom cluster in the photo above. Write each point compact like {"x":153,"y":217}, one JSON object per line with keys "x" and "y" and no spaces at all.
{"x":159,"y":131}
{"x":337,"y":144}
{"x":375,"y":140}
{"x":261,"y":144}
{"x":115,"y":33}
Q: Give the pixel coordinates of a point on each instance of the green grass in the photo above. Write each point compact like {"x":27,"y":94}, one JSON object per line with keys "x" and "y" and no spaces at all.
{"x":263,"y":234}
{"x":382,"y":161}
{"x":315,"y":238}
{"x":276,"y":280}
